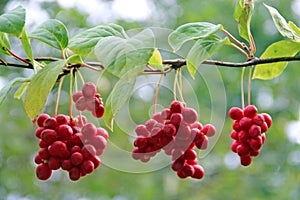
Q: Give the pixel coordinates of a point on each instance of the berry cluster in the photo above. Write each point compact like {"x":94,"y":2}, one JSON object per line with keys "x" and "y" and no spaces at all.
{"x":249,"y":129}
{"x":88,"y":99}
{"x":176,"y":131}
{"x":70,"y":144}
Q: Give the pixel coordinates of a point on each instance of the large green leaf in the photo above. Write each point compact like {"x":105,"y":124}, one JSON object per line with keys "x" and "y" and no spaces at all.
{"x":119,"y":55}
{"x":40,"y":87}
{"x":53,"y":33}
{"x":6,"y":89}
{"x":279,"y":49}
{"x":13,"y":21}
{"x":282,"y":26}
{"x":202,"y":50}
{"x":242,"y":14}
{"x":116,"y":99}
{"x":191,"y":31}
{"x":85,"y":42}
{"x":4,"y":43}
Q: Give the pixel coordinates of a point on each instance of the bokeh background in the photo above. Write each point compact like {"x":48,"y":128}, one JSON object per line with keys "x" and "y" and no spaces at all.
{"x":275,"y":174}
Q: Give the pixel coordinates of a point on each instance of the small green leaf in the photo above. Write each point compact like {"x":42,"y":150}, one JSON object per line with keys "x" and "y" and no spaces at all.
{"x":40,"y":87}
{"x":191,"y":31}
{"x":27,"y":48}
{"x":202,"y":50}
{"x":6,"y":89}
{"x":156,"y":60}
{"x":13,"y":21}
{"x":279,"y":49}
{"x":282,"y":26}
{"x":119,"y":55}
{"x":116,"y":99}
{"x":53,"y":33}
{"x":4,"y":43}
{"x":296,"y":30}
{"x":20,"y":91}
{"x":242,"y":14}
{"x":74,"y":59}
{"x":85,"y":42}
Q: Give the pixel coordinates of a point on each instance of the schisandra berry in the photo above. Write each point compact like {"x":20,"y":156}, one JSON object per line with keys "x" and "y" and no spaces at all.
{"x":70,"y":144}
{"x":177,"y":132}
{"x":248,"y":133}
{"x":89,"y":99}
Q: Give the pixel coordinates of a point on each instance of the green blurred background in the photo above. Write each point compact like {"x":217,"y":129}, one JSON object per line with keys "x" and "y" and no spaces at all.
{"x":275,"y":174}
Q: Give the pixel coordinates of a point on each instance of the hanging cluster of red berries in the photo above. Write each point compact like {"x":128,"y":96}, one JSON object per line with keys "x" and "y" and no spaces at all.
{"x":248,"y":133}
{"x":88,"y":99}
{"x":176,"y":131}
{"x":68,"y":145}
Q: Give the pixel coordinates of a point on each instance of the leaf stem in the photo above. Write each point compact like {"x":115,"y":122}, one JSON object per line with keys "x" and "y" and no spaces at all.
{"x":242,"y":88}
{"x":17,"y":57}
{"x":80,"y":76}
{"x":180,"y":87}
{"x":240,"y":50}
{"x":241,"y":44}
{"x":249,"y":85}
{"x":156,"y":93}
{"x":71,"y":94}
{"x":58,"y":96}
{"x":175,"y":85}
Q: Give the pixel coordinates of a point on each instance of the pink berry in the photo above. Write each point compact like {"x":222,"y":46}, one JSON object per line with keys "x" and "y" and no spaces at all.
{"x":76,"y":96}
{"x":99,"y":142}
{"x":189,"y":115}
{"x":88,"y":151}
{"x":88,"y":90}
{"x":141,"y":130}
{"x":89,"y":130}
{"x":209,"y":130}
{"x":81,"y":104}
{"x":102,"y":132}
{"x":165,"y":114}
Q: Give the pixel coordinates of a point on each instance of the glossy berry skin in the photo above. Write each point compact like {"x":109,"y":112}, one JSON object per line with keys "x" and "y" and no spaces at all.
{"x":249,"y":132}
{"x":65,"y":144}
{"x":176,"y":131}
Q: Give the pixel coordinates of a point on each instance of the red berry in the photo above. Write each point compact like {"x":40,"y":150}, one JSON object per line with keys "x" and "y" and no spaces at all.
{"x":150,"y":124}
{"x":43,"y":172}
{"x":181,"y":174}
{"x":188,"y":170}
{"x":243,"y":149}
{"x":41,"y":118}
{"x":49,"y":136}
{"x":235,"y":113}
{"x":157,"y":116}
{"x":50,"y":123}
{"x":169,"y":130}
{"x":62,"y":119}
{"x":245,"y":123}
{"x":54,"y":163}
{"x":264,"y":127}
{"x":77,"y":139}
{"x":178,"y":164}
{"x":189,"y":115}
{"x":102,"y":132}
{"x":64,"y":132}
{"x":165,"y":114}
{"x":246,"y":160}
{"x":38,"y":159}
{"x":198,"y":172}
{"x":176,"y":119}
{"x":234,"y":135}
{"x":258,"y":119}
{"x":190,"y":154}
{"x":236,"y":126}
{"x":176,"y":107}
{"x":255,"y":143}
{"x":66,"y":165}
{"x":74,"y":173}
{"x":88,"y":151}
{"x":89,"y":130}
{"x":88,"y":90}
{"x":38,"y":131}
{"x":96,"y":161}
{"x":87,"y":166}
{"x":234,"y":145}
{"x":203,"y":143}
{"x":99,"y":111}
{"x":254,"y":130}
{"x":76,"y":158}
{"x":250,"y":111}
{"x":58,"y":149}
{"x":268,"y":119}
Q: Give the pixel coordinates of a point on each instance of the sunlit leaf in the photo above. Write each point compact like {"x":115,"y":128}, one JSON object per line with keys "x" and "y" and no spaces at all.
{"x":282,"y":48}
{"x":8,"y":86}
{"x":53,"y":33}
{"x":295,"y":29}
{"x":282,"y":26}
{"x":85,"y":42}
{"x":116,"y":99}
{"x":4,"y":43}
{"x":21,"y":90}
{"x":242,"y":14}
{"x":191,"y":31}
{"x":40,"y":87}
{"x":13,"y":21}
{"x":119,"y":55}
{"x":201,"y":51}
{"x":156,"y":60}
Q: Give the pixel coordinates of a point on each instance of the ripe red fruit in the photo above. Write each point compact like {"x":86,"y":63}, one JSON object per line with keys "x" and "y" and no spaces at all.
{"x":198,"y":172}
{"x":43,"y":172}
{"x":54,"y":163}
{"x":58,"y":149}
{"x":190,"y":154}
{"x":178,"y":164}
{"x":250,"y":111}
{"x":76,"y":158}
{"x":50,"y":123}
{"x":62,"y":119}
{"x":89,"y":130}
{"x":66,"y":165}
{"x":99,"y":111}
{"x":254,"y":130}
{"x":48,"y":136}
{"x":243,"y":149}
{"x":141,"y":130}
{"x":44,"y":153}
{"x":165,"y":114}
{"x":176,"y":107}
{"x":74,"y":173}
{"x":209,"y":130}
{"x":246,"y":160}
{"x":176,"y":119}
{"x":235,"y":113}
{"x":268,"y":119}
{"x":88,"y":90}
{"x":87,"y":166}
{"x":88,"y":151}
{"x":188,"y":170}
{"x":64,"y":132}
{"x":41,"y":118}
{"x":245,"y":123}
{"x":38,"y":132}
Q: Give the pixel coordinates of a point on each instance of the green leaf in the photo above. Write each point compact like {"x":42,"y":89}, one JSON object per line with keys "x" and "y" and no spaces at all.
{"x":116,"y":99}
{"x":13,"y":21}
{"x":85,"y":42}
{"x":119,"y":55}
{"x":27,"y":48}
{"x":20,"y":91}
{"x":4,"y":43}
{"x":282,"y":26}
{"x":202,"y":50}
{"x":6,"y":89}
{"x":191,"y":31}
{"x":40,"y":87}
{"x":279,"y":49}
{"x":52,"y":32}
{"x":242,"y":14}
{"x":295,"y":29}
{"x":74,"y":59}
{"x":156,"y":60}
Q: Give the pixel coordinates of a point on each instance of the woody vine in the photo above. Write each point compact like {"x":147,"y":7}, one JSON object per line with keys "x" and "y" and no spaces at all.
{"x":73,"y":144}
